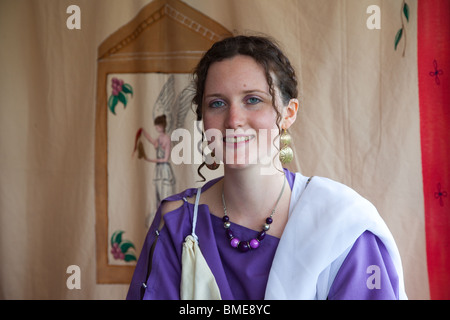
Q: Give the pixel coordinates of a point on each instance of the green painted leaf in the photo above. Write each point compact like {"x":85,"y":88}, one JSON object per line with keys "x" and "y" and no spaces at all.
{"x":123,"y":98}
{"x":112,"y":102}
{"x":125,"y":245}
{"x":129,"y":257}
{"x":127,"y":88}
{"x":406,"y":11}
{"x":117,"y":237}
{"x":398,"y":36}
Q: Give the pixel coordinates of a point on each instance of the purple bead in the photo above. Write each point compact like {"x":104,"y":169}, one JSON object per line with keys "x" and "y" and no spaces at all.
{"x":244,"y":246}
{"x":229,"y":233}
{"x":261,"y":235}
{"x":234,"y":242}
{"x":254,"y":244}
{"x":269,"y":220}
{"x":225,"y":219}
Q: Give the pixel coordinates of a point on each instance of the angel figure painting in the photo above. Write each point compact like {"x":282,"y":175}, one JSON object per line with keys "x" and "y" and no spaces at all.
{"x":169,"y":113}
{"x":164,"y":177}
{"x":140,"y":171}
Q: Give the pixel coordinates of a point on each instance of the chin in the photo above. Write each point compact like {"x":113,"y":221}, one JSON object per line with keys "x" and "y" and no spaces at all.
{"x":241,"y":163}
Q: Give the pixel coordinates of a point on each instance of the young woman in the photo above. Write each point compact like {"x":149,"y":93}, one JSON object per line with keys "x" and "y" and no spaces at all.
{"x":260,"y":231}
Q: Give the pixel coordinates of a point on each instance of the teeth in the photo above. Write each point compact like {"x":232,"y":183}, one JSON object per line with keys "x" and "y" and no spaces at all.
{"x":237,"y":139}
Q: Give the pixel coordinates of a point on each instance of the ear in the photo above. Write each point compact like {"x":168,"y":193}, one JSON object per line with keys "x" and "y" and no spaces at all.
{"x":289,"y":114}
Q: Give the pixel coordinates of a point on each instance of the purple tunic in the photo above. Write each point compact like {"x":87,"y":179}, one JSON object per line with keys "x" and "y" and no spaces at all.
{"x":239,"y":275}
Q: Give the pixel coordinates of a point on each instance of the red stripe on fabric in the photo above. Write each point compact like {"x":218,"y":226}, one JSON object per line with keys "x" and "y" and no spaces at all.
{"x":433,"y":52}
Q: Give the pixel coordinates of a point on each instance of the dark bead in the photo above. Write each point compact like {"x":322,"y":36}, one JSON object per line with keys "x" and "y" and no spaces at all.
{"x":269,"y":220}
{"x":244,"y":246}
{"x":225,"y":219}
{"x":229,"y":234}
{"x":261,"y":235}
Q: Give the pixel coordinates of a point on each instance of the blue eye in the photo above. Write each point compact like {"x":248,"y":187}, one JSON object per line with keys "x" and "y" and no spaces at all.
{"x":217,"y":104}
{"x":253,"y":100}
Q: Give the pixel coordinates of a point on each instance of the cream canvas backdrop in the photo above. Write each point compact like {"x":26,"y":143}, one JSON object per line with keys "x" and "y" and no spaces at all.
{"x":358,"y":124}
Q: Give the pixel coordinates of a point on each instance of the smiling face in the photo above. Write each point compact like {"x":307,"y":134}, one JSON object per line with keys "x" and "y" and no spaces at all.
{"x":237,"y":103}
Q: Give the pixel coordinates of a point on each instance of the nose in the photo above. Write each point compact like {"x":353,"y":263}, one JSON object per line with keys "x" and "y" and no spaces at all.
{"x":235,"y":117}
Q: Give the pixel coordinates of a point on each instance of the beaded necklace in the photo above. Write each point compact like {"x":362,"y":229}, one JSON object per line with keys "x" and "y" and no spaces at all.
{"x":245,"y":246}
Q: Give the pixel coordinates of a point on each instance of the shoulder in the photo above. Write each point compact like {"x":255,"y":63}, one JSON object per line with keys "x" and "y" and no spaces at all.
{"x":329,"y":192}
{"x":333,"y":187}
{"x":335,"y":207}
{"x":176,"y":204}
{"x":169,"y":206}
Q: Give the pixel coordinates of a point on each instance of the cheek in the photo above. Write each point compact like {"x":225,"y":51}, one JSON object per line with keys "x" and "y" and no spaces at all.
{"x":265,"y":120}
{"x":211,"y":121}
{"x":207,"y":123}
{"x":268,"y":131}
{"x":212,"y":127}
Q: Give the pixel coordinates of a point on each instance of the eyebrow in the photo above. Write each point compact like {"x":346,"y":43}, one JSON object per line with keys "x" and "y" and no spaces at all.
{"x":213,"y":95}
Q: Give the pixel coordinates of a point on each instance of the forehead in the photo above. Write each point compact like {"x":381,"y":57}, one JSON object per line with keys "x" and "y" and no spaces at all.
{"x":239,"y":73}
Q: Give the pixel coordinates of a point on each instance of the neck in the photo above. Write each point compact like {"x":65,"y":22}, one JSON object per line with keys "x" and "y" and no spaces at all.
{"x":250,"y":194}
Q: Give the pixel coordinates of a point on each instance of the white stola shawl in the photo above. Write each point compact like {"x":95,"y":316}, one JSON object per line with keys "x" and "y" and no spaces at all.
{"x":325,"y":220}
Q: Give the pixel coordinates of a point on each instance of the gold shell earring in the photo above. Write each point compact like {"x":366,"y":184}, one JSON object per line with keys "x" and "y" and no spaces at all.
{"x":286,"y":153}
